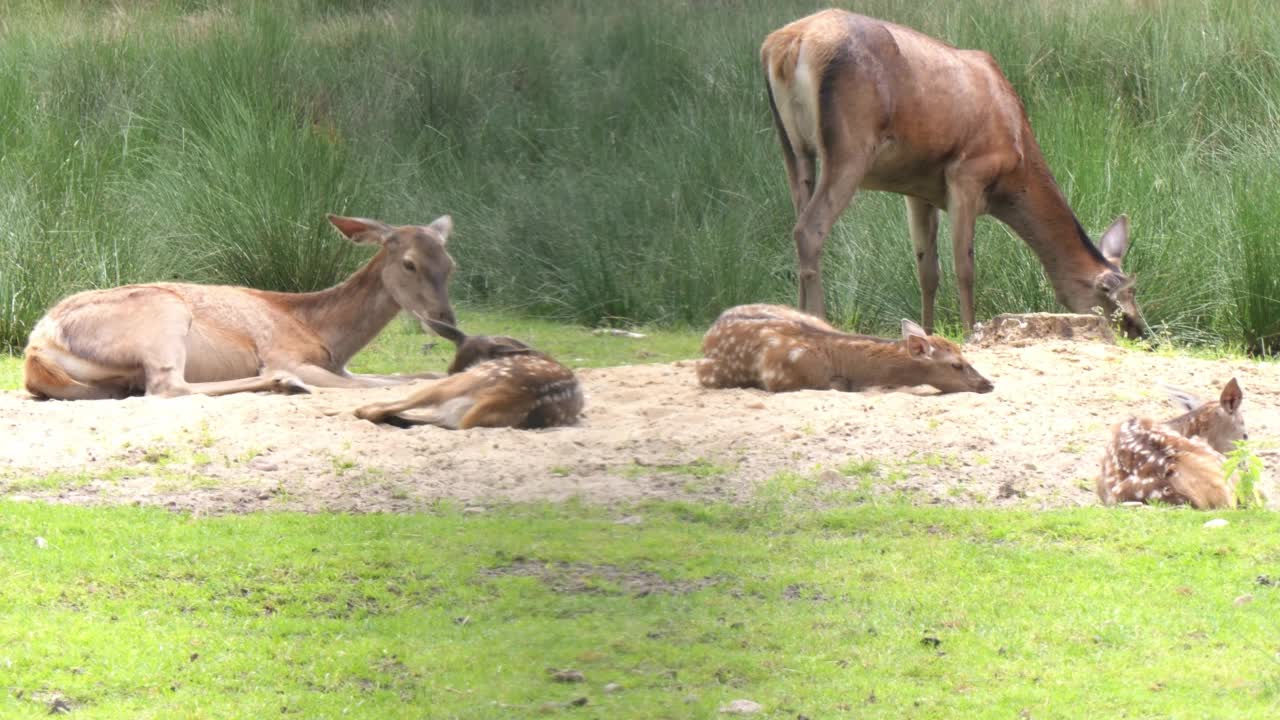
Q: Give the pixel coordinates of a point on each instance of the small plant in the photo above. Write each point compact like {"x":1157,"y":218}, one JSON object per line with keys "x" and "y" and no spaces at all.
{"x":865,"y":467}
{"x":1246,"y":468}
{"x":341,"y":465}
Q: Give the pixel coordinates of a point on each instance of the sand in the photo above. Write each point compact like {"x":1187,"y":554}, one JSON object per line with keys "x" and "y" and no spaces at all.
{"x":650,"y":432}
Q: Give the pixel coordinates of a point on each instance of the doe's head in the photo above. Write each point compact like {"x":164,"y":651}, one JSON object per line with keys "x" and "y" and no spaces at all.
{"x":943,"y":364}
{"x":417,"y":267}
{"x":1112,"y":290}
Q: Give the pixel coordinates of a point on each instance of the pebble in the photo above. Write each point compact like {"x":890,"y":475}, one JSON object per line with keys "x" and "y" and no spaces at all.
{"x":741,"y":707}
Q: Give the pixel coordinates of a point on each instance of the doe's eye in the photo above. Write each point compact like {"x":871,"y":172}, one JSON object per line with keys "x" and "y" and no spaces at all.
{"x":957,"y":366}
{"x":408,"y":265}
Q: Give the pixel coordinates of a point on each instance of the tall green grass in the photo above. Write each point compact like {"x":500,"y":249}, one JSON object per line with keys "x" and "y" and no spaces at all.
{"x":605,"y":161}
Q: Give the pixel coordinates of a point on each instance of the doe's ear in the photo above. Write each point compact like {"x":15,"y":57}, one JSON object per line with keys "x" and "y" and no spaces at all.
{"x":1114,"y":242}
{"x":1232,"y":396}
{"x":359,"y":230}
{"x":447,"y":331}
{"x":909,"y":328}
{"x":442,"y":226}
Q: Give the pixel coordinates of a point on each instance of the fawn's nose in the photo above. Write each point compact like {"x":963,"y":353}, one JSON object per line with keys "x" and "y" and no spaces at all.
{"x":986,"y":386}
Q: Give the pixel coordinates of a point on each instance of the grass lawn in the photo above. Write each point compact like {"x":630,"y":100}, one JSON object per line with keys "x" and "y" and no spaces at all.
{"x":400,"y":347}
{"x":847,"y":611}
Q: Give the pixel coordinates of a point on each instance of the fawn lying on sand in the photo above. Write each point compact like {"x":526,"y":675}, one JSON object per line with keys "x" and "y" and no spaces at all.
{"x":1178,"y":461}
{"x":779,"y":349}
{"x":494,"y":381}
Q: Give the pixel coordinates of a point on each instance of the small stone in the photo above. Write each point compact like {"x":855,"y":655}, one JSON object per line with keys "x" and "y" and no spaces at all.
{"x":612,"y":688}
{"x":474,"y":509}
{"x":629,"y":520}
{"x":741,"y":707}
{"x":567,"y":676}
{"x":618,"y":332}
{"x":41,"y":543}
{"x":1217,"y":523}
{"x":263,"y":465}
{"x":1243,"y":600}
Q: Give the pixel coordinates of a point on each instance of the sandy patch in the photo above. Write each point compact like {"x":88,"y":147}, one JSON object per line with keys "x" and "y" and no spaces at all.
{"x":650,"y":432}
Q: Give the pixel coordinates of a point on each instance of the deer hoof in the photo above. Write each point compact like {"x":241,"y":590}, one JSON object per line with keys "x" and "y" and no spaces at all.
{"x":289,"y":385}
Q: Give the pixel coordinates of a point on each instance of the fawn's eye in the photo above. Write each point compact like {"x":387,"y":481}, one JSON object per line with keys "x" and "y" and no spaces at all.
{"x":957,"y":366}
{"x":408,"y":265}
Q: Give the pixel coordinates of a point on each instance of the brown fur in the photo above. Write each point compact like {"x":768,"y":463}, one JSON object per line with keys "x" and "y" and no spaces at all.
{"x":1177,"y":462}
{"x":176,"y":338}
{"x":493,"y":381}
{"x":779,"y":349}
{"x":40,"y":373}
{"x":882,"y":107}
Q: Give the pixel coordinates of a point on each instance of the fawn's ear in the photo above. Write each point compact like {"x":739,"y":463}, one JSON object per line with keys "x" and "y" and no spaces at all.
{"x":1182,"y":398}
{"x":447,"y":331}
{"x":917,"y":341}
{"x":1232,"y":396}
{"x":504,"y":345}
{"x":359,"y":230}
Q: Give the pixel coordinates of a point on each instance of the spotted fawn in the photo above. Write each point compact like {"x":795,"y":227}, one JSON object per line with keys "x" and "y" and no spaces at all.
{"x":779,"y":349}
{"x":494,"y":381}
{"x":1179,"y":461}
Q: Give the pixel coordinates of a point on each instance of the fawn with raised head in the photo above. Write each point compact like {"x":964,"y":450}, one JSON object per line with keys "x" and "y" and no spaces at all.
{"x":779,"y":349}
{"x":178,"y":338}
{"x":862,"y":103}
{"x":494,"y":381}
{"x":1179,"y":461}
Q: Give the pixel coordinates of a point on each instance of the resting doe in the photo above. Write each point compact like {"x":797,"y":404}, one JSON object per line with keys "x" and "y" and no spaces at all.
{"x":1179,"y":461}
{"x":494,"y":381}
{"x":173,"y":339}
{"x":779,"y":349}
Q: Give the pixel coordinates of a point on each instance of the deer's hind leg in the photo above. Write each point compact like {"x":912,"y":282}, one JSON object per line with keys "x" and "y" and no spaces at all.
{"x":164,"y":367}
{"x":922,"y":219}
{"x":446,"y":403}
{"x":843,"y":167}
{"x":498,"y":406}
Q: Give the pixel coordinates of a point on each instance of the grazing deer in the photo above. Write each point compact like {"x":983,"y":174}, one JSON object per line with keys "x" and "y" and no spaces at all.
{"x":173,"y":338}
{"x":494,"y":381}
{"x":779,"y":349}
{"x":1179,"y":461}
{"x":883,"y":107}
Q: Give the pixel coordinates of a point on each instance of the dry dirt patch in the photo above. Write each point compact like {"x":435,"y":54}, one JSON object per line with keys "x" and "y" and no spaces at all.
{"x":650,"y":432}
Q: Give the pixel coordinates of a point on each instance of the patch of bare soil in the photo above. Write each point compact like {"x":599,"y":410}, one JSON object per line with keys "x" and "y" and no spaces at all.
{"x":593,"y":579}
{"x":650,"y":432}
